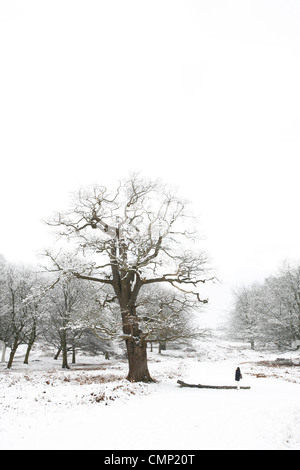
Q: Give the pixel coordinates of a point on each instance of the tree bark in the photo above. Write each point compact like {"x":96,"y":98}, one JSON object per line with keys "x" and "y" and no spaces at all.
{"x":127,"y":287}
{"x":65,"y":364}
{"x":137,"y":360}
{"x":30,"y":344}
{"x":215,"y":387}
{"x":29,"y":347}
{"x":12,"y":354}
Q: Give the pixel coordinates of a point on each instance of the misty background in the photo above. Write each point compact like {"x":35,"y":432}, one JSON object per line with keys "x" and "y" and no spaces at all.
{"x":202,"y":94}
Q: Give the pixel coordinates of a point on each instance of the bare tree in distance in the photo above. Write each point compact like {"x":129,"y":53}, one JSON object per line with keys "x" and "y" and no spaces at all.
{"x":136,"y":235}
{"x":168,"y":315}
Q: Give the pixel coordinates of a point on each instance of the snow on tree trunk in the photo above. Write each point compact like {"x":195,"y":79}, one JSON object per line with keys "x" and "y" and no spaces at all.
{"x":3,"y":345}
{"x":137,"y":360}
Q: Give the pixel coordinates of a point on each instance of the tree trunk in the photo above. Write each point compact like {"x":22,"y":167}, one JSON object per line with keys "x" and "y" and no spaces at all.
{"x":214,"y":387}
{"x":57,"y":354}
{"x":30,"y":344}
{"x":137,"y":361}
{"x":3,"y":352}
{"x":28,"y":353}
{"x":65,"y":364}
{"x":12,"y":354}
{"x":127,"y":285}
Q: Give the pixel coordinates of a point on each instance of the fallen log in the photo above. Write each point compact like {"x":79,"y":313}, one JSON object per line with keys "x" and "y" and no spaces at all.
{"x":216,"y":387}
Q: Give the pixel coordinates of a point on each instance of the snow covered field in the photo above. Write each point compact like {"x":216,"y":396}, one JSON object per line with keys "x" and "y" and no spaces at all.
{"x":93,"y":407}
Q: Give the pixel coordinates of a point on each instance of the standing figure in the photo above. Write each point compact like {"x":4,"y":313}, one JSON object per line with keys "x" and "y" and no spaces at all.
{"x":238,"y":377}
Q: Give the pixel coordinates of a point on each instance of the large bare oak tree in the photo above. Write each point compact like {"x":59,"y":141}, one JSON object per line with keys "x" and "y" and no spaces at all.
{"x":133,"y":236}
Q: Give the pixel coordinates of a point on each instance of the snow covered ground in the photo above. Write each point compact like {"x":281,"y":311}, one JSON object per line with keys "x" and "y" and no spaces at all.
{"x":93,"y":407}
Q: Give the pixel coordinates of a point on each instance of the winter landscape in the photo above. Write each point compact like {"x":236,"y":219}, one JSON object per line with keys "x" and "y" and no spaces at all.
{"x":149,"y":242}
{"x":92,"y":406}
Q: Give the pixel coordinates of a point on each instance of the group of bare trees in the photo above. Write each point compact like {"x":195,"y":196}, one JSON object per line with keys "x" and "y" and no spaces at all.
{"x":20,"y":308}
{"x":268,"y":313}
{"x":127,"y":265}
{"x":36,"y":305}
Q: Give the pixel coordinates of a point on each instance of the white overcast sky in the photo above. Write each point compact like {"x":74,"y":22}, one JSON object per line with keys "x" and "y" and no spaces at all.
{"x":204,"y":94}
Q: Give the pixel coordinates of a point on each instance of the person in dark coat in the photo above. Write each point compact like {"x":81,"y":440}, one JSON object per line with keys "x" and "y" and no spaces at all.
{"x":238,"y":376}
